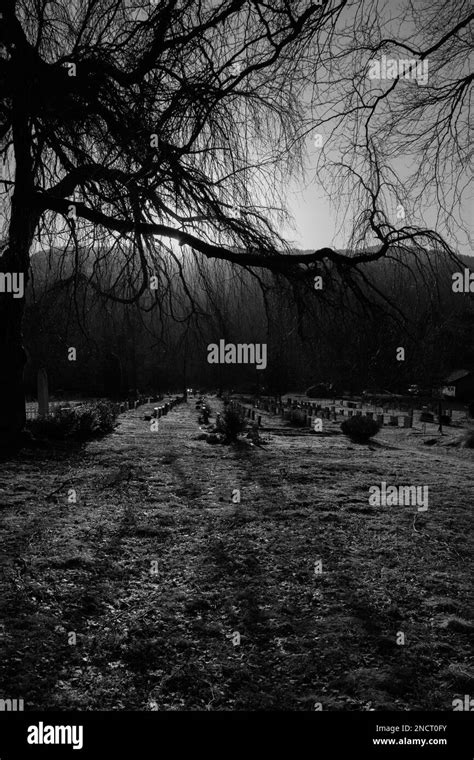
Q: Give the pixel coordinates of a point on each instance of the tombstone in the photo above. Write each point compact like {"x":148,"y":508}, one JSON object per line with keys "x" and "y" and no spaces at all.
{"x":43,"y":394}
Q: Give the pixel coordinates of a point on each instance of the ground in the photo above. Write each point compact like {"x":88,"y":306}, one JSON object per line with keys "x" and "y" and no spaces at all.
{"x":153,"y":590}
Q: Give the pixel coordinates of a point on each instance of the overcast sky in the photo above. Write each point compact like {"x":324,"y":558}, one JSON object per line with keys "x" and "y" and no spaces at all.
{"x":316,"y":225}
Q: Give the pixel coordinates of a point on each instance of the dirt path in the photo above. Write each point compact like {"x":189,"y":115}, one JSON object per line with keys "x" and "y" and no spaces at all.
{"x":153,"y":590}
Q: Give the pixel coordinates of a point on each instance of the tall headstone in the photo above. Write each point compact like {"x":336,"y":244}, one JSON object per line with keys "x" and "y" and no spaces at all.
{"x":43,"y":394}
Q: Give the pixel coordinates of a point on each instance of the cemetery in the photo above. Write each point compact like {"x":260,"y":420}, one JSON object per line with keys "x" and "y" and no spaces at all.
{"x":236,"y":375}
{"x":159,"y":508}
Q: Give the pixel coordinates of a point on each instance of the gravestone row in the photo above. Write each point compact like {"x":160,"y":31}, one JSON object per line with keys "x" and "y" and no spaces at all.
{"x":312,"y":411}
{"x":124,"y":406}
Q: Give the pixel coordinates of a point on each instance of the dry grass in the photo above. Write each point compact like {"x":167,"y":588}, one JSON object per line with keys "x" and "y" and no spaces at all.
{"x":163,"y":640}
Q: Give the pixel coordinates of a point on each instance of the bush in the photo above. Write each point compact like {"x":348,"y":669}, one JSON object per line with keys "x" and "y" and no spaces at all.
{"x":206,"y":412}
{"x":359,"y":429}
{"x":231,"y":424}
{"x":468,"y":440}
{"x":77,"y":422}
{"x":297,"y":418}
{"x":254,"y":434}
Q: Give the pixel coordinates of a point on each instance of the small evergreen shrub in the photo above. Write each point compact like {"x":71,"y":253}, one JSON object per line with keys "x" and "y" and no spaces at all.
{"x":297,"y":418}
{"x":468,"y":441}
{"x":360,"y":429}
{"x":77,"y":422}
{"x":206,"y":412}
{"x":254,"y":434}
{"x":231,"y":424}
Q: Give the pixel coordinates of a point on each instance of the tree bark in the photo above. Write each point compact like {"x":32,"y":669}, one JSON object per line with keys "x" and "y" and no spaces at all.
{"x":15,"y":260}
{"x":12,"y":361}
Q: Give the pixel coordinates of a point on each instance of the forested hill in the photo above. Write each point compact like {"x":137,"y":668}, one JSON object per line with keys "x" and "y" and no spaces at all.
{"x":322,"y":344}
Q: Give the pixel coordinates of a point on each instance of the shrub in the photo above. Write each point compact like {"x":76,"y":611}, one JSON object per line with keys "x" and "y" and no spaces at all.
{"x":77,"y":422}
{"x":359,"y":429}
{"x":297,"y":418}
{"x":231,"y":424}
{"x":468,"y":440}
{"x":254,"y":434}
{"x":206,"y":412}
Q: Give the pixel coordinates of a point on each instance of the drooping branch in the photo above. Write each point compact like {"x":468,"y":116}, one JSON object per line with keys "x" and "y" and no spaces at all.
{"x":297,"y":265}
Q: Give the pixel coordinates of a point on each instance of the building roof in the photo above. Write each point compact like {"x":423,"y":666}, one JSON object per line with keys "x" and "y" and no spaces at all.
{"x":458,"y":374}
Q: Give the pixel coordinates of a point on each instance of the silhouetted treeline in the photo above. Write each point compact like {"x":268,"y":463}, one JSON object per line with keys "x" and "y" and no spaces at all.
{"x":346,"y":336}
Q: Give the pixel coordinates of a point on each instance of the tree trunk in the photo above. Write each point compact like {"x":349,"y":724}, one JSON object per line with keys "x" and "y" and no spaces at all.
{"x":15,"y":261}
{"x":14,"y":268}
{"x":12,"y":360}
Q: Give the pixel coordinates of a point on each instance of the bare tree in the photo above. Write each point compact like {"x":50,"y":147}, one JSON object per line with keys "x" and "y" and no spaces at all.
{"x":160,"y":131}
